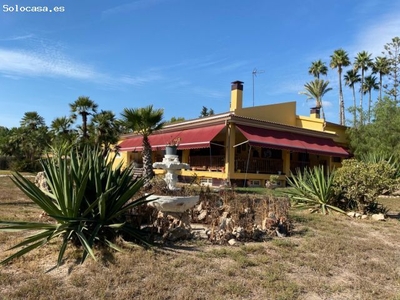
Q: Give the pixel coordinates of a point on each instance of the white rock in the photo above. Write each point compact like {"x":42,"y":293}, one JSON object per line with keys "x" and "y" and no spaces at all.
{"x":199,"y":207}
{"x":351,"y":214}
{"x":232,"y":242}
{"x":357,"y":215}
{"x":364,"y":217}
{"x":378,"y":217}
{"x":202,"y":215}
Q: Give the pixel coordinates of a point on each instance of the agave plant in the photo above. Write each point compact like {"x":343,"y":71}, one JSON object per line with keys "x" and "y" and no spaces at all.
{"x":88,"y":200}
{"x":313,"y":189}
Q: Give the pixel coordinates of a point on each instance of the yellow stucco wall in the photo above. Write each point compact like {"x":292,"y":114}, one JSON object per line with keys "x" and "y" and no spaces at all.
{"x":283,"y":113}
{"x":310,"y":123}
{"x":122,"y":157}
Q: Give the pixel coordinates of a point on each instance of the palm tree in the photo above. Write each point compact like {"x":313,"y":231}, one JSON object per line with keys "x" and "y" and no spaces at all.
{"x":144,"y":121}
{"x":106,"y":129}
{"x":61,"y":125}
{"x":362,"y":62}
{"x":381,"y":67}
{"x":63,"y":135}
{"x":351,"y":78}
{"x":317,"y":68}
{"x":340,"y":59}
{"x":316,"y":90}
{"x":83,"y":106}
{"x":32,"y":120}
{"x":369,"y":85}
{"x":32,"y":137}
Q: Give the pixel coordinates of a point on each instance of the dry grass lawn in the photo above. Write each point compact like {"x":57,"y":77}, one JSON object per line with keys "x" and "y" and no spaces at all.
{"x":327,"y":257}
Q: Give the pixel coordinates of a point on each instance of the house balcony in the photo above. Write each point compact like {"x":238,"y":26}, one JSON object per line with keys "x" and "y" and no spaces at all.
{"x":259,"y":165}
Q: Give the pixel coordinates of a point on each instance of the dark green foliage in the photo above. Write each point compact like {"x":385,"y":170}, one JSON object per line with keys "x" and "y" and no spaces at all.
{"x":5,"y":162}
{"x":88,"y":201}
{"x":206,"y":112}
{"x":382,"y":135}
{"x":26,"y":143}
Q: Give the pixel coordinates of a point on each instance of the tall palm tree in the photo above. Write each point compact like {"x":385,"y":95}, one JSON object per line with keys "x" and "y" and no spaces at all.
{"x":32,"y":120}
{"x":106,"y":129}
{"x":351,"y":78}
{"x":362,"y":62}
{"x":318,"y":68}
{"x":381,"y":67}
{"x":144,"y":121}
{"x":340,"y":59}
{"x":369,"y":85}
{"x":316,"y":90}
{"x":83,"y":106}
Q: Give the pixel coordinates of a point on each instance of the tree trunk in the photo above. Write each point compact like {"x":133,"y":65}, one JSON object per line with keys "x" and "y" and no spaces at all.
{"x":361,"y":96}
{"x":369,"y":106}
{"x":341,"y":100}
{"x":355,"y":106}
{"x":147,"y":162}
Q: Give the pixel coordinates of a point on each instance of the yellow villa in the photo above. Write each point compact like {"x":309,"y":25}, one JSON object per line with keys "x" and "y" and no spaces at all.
{"x":246,"y":145}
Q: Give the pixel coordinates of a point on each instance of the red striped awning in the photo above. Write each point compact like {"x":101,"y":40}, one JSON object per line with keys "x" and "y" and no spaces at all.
{"x":291,"y":141}
{"x":189,"y":139}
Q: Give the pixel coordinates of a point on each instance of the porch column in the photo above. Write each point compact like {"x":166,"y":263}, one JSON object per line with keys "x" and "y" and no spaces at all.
{"x":230,"y":151}
{"x":286,"y":162}
{"x":185,"y":156}
{"x":330,"y":164}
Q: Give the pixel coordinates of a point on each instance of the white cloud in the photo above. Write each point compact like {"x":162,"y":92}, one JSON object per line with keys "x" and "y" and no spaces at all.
{"x":27,"y":63}
{"x":326,"y":103}
{"x":50,"y":62}
{"x":127,"y":7}
{"x":140,"y":80}
{"x":17,"y":38}
{"x":377,"y":33}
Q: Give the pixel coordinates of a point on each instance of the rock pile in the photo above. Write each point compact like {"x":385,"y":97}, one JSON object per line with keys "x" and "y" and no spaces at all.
{"x":242,"y":220}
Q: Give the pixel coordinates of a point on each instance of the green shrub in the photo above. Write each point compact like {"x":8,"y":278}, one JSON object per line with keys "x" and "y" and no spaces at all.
{"x":314,"y":190}
{"x":361,"y":182}
{"x":88,"y":201}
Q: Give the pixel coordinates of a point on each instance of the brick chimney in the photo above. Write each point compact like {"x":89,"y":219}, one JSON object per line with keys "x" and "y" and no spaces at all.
{"x":315,"y":112}
{"x":236,"y":95}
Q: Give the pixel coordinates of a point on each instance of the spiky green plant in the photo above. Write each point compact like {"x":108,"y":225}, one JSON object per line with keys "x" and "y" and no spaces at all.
{"x":88,"y":200}
{"x":314,"y":190}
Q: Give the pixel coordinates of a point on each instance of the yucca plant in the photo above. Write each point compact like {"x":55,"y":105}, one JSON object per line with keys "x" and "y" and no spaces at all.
{"x":88,"y":200}
{"x":314,"y":190}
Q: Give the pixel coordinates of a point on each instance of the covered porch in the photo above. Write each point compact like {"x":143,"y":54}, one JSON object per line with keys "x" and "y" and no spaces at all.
{"x":241,"y":154}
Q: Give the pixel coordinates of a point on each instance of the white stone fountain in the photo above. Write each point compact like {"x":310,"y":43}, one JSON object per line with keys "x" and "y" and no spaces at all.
{"x":174,"y":206}
{"x":171,"y":164}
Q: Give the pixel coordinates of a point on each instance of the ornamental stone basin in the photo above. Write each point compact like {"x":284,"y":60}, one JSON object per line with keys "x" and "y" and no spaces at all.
{"x":176,"y":204}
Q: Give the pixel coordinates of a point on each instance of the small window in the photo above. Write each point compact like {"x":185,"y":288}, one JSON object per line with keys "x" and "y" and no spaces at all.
{"x":336,"y":159}
{"x":254,"y":182}
{"x":206,"y":181}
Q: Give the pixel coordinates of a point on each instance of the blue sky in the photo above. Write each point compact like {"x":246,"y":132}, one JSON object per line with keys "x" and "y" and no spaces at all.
{"x":179,"y":55}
